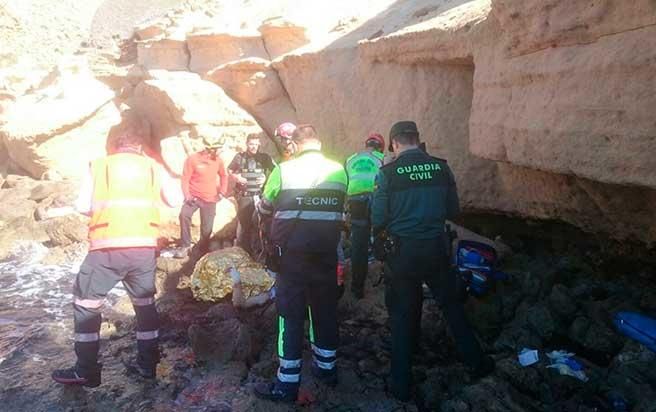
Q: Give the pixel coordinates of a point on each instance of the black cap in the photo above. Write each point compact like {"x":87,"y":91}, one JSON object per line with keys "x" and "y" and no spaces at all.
{"x":405,"y":126}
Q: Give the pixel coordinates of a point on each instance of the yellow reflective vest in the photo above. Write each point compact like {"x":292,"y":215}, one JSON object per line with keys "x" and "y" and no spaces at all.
{"x":124,"y":207}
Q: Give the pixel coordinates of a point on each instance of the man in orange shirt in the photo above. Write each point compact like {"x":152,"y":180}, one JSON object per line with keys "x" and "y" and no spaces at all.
{"x":202,"y":191}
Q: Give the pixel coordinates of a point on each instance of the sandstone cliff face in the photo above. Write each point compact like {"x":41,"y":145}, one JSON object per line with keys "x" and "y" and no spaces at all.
{"x":575,"y":96}
{"x":543,"y":108}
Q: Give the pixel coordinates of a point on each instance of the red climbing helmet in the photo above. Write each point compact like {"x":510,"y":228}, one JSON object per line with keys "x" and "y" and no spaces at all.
{"x":378,"y":138}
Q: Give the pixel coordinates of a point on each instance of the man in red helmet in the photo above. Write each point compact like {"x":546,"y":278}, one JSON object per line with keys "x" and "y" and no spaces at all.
{"x":362,"y":168}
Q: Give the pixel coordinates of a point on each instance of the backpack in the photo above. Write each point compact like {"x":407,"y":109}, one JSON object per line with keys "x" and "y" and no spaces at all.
{"x":476,"y":264}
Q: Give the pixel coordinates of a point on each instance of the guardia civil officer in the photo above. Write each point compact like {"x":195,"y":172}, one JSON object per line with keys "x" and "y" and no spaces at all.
{"x":414,"y":195}
{"x":305,"y":195}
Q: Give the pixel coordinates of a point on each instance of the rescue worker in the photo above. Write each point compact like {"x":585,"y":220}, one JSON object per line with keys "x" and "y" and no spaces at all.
{"x":121,"y":194}
{"x":284,"y":143}
{"x":362,"y":168}
{"x":201,"y":191}
{"x":306,"y":196}
{"x":414,"y":195}
{"x":285,"y":147}
{"x":250,"y":170}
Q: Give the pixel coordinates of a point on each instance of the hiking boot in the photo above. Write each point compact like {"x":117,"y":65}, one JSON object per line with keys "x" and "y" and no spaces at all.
{"x":71,"y":376}
{"x":269,"y":392}
{"x":486,"y":367}
{"x":182,"y":253}
{"x":325,"y":376}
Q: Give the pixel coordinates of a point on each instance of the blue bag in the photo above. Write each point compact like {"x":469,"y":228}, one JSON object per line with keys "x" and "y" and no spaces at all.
{"x":638,"y":327}
{"x":476,"y":263}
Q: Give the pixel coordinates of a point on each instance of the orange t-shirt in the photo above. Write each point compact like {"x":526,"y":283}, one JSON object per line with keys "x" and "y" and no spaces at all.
{"x":204,"y":177}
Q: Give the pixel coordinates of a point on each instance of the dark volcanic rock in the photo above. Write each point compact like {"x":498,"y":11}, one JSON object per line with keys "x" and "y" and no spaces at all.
{"x":562,"y":303}
{"x":223,"y":341}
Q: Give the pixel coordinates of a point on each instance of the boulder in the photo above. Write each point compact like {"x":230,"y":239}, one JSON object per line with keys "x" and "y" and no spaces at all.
{"x":600,"y":339}
{"x":67,"y":230}
{"x":223,"y":341}
{"x":210,"y":49}
{"x":163,"y":53}
{"x":212,"y":280}
{"x":15,"y":203}
{"x":282,"y":36}
{"x":632,"y":373}
{"x":255,"y":85}
{"x":491,"y":394}
{"x":74,"y":115}
{"x":18,"y":231}
{"x":540,"y":320}
{"x":89,"y":142}
{"x":562,"y":303}
{"x":178,"y":101}
{"x":152,"y":29}
{"x":525,"y":379}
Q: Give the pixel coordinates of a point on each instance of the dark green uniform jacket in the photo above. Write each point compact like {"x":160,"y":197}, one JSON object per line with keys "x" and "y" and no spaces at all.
{"x":414,"y":195}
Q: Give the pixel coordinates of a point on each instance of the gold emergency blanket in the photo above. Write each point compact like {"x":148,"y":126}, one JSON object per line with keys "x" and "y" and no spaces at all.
{"x":212,"y":279}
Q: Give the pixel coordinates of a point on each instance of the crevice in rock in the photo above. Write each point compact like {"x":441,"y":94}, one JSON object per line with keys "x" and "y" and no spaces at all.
{"x":188,"y":53}
{"x":583,"y":43}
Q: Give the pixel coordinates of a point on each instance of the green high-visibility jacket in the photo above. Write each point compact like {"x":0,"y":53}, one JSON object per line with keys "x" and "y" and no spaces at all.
{"x":362,"y":169}
{"x":306,"y":197}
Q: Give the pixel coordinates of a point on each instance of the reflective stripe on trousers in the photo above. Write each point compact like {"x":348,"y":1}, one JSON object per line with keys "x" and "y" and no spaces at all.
{"x":87,"y":337}
{"x":324,"y":358}
{"x":122,"y":242}
{"x":289,"y":370}
{"x":89,"y":303}
{"x":148,"y":335}
{"x":142,"y":301}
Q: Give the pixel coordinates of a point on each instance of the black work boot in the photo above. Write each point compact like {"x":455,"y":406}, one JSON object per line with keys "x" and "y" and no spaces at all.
{"x":73,"y":376}
{"x":270,"y":392}
{"x":327,"y":377}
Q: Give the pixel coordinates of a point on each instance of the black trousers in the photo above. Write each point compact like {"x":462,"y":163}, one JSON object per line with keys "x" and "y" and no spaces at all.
{"x":99,"y":273}
{"x":306,"y":288}
{"x":246,"y":230}
{"x":418,"y":261}
{"x":207,"y":214}
{"x":360,"y":236}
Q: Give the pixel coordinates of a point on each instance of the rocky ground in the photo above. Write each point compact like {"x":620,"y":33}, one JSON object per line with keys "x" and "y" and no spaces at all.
{"x":213,"y":353}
